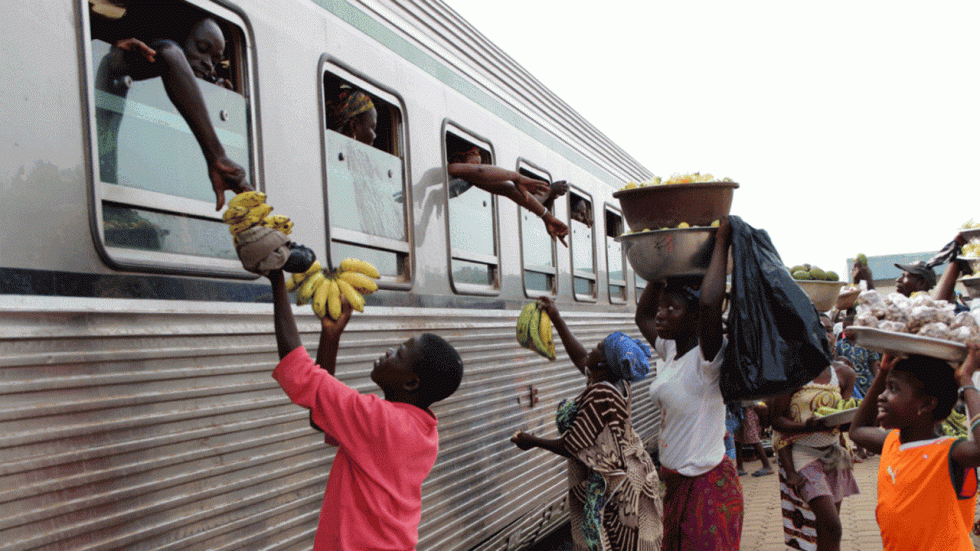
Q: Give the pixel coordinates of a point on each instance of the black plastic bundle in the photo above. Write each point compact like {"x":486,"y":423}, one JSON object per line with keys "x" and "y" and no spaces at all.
{"x":776,"y":342}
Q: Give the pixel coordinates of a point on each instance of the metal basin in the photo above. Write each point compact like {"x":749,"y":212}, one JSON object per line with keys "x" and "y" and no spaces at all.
{"x":666,"y":206}
{"x":670,"y":253}
{"x":823,"y":294}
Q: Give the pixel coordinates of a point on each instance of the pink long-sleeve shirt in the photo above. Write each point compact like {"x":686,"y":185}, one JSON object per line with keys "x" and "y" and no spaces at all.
{"x":385,"y":450}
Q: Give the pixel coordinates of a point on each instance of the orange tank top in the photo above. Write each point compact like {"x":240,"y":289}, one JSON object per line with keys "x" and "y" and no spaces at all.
{"x":925,"y":501}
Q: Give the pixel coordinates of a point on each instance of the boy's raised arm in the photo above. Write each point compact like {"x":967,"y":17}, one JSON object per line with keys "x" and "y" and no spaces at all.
{"x":967,"y":454}
{"x":287,"y":335}
{"x":330,"y":331}
{"x":863,"y":431}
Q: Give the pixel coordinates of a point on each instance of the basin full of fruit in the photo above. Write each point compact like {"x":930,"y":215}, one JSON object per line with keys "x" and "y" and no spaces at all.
{"x":688,"y":198}
{"x":822,"y":287}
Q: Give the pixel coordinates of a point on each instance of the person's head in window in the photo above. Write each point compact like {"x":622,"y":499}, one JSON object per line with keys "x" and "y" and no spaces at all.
{"x":352,"y":113}
{"x":204,"y":49}
{"x":470,"y":156}
{"x":581,"y":212}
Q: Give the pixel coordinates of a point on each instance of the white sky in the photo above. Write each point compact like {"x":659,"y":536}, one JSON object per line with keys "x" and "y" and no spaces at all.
{"x":852,"y":126}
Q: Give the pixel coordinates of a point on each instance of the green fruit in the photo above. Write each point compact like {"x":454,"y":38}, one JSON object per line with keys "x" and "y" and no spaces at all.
{"x":862,"y":260}
{"x":832,"y":276}
{"x":797,"y":268}
{"x":801,"y":274}
{"x":817,"y":273}
{"x":523,"y":323}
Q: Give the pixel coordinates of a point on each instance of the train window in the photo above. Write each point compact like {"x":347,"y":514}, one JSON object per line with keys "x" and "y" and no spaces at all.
{"x":366,"y":194}
{"x":472,"y":220}
{"x":615,"y":260}
{"x":582,"y":245}
{"x":153,"y":193}
{"x":640,"y":284}
{"x":538,"y":248}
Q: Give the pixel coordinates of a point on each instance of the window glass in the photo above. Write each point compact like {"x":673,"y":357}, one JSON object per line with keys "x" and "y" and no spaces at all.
{"x":472,"y":219}
{"x":615,"y":262}
{"x":153,"y":188}
{"x":366,"y":195}
{"x":582,"y":243}
{"x":538,"y":247}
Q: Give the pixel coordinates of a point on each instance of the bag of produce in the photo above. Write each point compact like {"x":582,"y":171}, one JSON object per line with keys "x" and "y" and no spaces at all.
{"x":776,"y":342}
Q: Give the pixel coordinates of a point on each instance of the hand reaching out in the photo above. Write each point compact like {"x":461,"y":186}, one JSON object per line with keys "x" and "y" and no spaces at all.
{"x":533,"y":187}
{"x":226,"y":175}
{"x":138,"y":46}
{"x":522,"y":440}
{"x":556,"y":228}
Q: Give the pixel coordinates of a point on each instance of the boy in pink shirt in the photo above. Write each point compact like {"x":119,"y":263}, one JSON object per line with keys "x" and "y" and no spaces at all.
{"x":386,"y":447}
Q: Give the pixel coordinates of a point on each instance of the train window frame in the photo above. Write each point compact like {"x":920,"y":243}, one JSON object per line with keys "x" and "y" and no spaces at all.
{"x":527,"y":168}
{"x":391,"y":100}
{"x":577,"y":274}
{"x":453,"y":254}
{"x":186,"y":215}
{"x":623,"y":297}
{"x":638,"y":287}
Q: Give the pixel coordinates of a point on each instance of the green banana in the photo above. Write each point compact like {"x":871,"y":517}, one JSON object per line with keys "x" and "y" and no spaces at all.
{"x":523,"y":321}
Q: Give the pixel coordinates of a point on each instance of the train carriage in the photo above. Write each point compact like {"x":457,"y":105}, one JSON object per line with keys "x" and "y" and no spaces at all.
{"x":138,"y":410}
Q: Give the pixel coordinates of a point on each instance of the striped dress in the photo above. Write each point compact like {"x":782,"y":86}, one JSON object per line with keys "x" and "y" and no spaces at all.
{"x":614,"y":489}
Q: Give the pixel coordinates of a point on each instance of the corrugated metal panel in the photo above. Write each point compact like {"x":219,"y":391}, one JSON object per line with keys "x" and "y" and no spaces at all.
{"x":166,"y":431}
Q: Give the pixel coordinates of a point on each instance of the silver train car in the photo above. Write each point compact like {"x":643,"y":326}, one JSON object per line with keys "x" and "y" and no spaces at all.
{"x":137,"y":410}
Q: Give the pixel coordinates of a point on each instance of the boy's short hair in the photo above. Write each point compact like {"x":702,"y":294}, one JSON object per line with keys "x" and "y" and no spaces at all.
{"x":935,"y":378}
{"x":438,"y":367}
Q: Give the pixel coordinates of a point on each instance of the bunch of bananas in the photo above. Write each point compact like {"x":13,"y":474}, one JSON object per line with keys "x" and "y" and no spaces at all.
{"x":534,"y":330}
{"x":842,"y":405}
{"x":352,"y":281}
{"x":248,"y":209}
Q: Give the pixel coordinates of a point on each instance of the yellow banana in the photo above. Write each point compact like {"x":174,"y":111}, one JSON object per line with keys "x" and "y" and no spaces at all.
{"x":360,"y":266}
{"x":305,"y":292}
{"x":320,"y":298}
{"x":359,"y":281}
{"x":333,"y":298}
{"x":293,"y":282}
{"x":547,"y":340}
{"x":279,"y":222}
{"x":350,"y":293}
{"x":258,"y":213}
{"x":247,"y":199}
{"x":233,"y":215}
{"x":239,"y":227}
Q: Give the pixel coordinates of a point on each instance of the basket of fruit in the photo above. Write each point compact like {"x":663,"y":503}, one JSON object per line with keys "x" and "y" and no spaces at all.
{"x":822,"y":287}
{"x":695,"y":199}
{"x":670,"y":253}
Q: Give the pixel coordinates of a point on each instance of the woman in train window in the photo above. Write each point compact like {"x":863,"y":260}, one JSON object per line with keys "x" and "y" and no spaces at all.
{"x":352,"y":113}
{"x":614,"y":490}
{"x":466,"y":169}
{"x":172,"y":41}
{"x":682,"y":318}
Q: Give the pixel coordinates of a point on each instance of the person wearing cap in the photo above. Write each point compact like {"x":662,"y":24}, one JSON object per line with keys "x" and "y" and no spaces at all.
{"x":916,"y":276}
{"x":614,"y":490}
